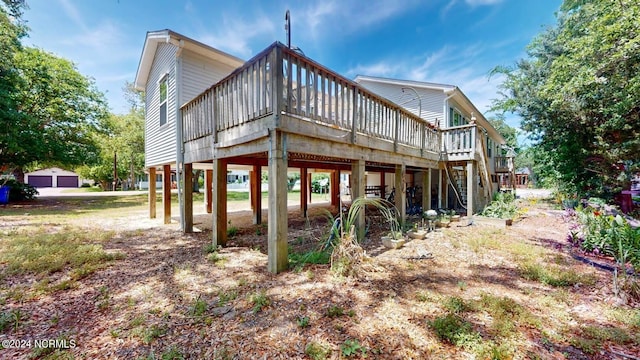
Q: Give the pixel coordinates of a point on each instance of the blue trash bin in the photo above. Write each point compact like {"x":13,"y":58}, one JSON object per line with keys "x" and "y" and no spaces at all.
{"x":4,"y":194}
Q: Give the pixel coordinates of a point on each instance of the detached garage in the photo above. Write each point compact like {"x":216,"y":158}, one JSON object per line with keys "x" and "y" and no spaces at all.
{"x":52,"y":177}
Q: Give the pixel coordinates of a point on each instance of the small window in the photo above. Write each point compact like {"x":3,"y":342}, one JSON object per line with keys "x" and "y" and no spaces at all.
{"x":489,"y":146}
{"x":163,"y":100}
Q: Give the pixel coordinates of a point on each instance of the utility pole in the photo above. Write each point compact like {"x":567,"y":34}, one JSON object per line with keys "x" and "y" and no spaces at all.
{"x":115,"y":169}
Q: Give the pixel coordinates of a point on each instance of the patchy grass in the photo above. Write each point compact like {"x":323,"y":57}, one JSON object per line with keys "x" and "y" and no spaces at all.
{"x":486,"y":293}
{"x":43,"y":252}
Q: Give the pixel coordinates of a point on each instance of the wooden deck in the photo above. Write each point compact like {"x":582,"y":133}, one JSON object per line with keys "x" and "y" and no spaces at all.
{"x":283,"y":110}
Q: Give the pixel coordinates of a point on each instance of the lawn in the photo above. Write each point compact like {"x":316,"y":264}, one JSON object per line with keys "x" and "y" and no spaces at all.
{"x":133,"y":288}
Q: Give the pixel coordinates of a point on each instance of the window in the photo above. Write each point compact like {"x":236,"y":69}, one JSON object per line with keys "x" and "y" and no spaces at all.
{"x":489,"y":146}
{"x":456,"y":118}
{"x":163,"y":100}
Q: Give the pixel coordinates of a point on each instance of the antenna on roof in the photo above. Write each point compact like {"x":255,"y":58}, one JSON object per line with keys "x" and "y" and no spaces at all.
{"x":287,"y":27}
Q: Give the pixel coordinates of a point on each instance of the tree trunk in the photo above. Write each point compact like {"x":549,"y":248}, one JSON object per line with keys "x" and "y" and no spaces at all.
{"x":18,"y":173}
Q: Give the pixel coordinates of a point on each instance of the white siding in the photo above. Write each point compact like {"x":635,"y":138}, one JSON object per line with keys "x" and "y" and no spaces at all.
{"x":199,"y":73}
{"x":160,"y":141}
{"x":431,"y":101}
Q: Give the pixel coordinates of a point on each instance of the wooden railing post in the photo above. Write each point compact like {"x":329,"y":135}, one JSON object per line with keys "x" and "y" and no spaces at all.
{"x":395,"y":138}
{"x":277,"y":86}
{"x":354,"y":122}
{"x":424,"y":138}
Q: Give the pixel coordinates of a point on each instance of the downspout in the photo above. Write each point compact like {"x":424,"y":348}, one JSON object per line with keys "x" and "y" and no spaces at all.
{"x":443,"y":148}
{"x":179,"y":142}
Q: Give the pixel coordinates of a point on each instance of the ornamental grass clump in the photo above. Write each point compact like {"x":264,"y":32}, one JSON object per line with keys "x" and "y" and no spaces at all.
{"x":348,"y":258}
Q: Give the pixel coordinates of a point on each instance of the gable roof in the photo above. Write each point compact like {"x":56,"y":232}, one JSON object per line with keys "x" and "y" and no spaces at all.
{"x":449,"y":90}
{"x":168,"y":36}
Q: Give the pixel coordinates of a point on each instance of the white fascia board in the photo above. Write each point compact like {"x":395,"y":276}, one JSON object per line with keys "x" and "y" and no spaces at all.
{"x":148,"y":54}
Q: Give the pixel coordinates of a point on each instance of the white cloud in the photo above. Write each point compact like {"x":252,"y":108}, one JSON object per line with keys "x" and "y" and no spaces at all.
{"x":462,"y":67}
{"x":73,"y":13}
{"x":324,"y":18}
{"x":482,"y":2}
{"x":235,"y":35}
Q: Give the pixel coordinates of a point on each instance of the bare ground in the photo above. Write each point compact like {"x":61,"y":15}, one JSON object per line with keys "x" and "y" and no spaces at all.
{"x":146,"y":304}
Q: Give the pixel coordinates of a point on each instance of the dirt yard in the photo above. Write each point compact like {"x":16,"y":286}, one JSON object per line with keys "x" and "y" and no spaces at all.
{"x":464,"y":292}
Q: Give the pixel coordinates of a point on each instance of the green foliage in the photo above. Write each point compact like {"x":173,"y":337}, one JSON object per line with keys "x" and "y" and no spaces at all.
{"x":317,"y":179}
{"x":508,"y":132}
{"x":352,"y":347}
{"x":453,"y":329}
{"x":232,"y":231}
{"x":198,"y":308}
{"x":503,"y":206}
{"x":553,"y":275}
{"x":609,"y":235}
{"x":577,"y":93}
{"x":335,"y":311}
{"x":455,"y":305}
{"x":46,"y":253}
{"x":122,"y":138}
{"x":11,"y":318}
{"x":60,"y":110}
{"x":317,"y":351}
{"x":303,"y":321}
{"x":311,"y":257}
{"x":19,"y":191}
{"x":260,"y":301}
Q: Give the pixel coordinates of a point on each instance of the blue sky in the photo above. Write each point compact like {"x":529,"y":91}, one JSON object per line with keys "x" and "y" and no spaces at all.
{"x":444,"y":41}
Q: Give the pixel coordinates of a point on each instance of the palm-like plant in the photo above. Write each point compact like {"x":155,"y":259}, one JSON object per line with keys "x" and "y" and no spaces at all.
{"x":348,"y":257}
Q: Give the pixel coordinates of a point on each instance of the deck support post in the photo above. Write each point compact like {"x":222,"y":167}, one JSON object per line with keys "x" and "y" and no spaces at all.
{"x":310,"y":187}
{"x":208,"y":175}
{"x":277,"y":242}
{"x":219,"y":200}
{"x":166,"y":193}
{"x":441,"y":190}
{"x":152,"y":193}
{"x":383,"y":185}
{"x":357,"y":190}
{"x":255,"y":192}
{"x":335,"y":188}
{"x":303,"y":191}
{"x":401,"y":192}
{"x":426,"y":190}
{"x":188,"y":198}
{"x":471,"y":183}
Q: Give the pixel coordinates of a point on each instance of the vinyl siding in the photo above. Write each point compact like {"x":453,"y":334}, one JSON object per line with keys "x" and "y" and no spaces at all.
{"x":160,"y":141}
{"x":431,"y":103}
{"x":199,"y":73}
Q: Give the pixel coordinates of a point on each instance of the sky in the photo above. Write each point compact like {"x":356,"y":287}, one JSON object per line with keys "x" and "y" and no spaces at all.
{"x":454,"y":42}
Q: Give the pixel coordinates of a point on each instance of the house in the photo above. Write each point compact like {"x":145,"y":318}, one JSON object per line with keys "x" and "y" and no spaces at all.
{"x":52,"y":177}
{"x":448,"y":109}
{"x":283,"y":112}
{"x":173,"y":69}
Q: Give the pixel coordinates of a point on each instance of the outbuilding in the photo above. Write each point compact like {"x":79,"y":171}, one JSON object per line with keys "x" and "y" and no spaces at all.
{"x":52,"y":177}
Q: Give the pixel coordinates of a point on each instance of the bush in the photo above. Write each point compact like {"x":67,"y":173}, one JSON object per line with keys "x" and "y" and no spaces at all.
{"x":19,"y":191}
{"x":609,"y":235}
{"x":503,"y":206}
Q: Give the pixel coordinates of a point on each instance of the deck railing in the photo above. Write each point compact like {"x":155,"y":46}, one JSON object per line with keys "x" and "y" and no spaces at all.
{"x":501,"y":164}
{"x":309,"y":91}
{"x":459,"y":140}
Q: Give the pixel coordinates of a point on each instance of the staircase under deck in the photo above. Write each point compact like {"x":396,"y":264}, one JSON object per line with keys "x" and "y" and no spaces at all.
{"x":284,"y":110}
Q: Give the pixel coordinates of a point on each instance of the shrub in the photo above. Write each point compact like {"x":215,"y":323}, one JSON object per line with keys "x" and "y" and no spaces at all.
{"x":454,"y":330}
{"x":19,"y":191}
{"x":503,"y":206}
{"x":609,"y":235}
{"x":317,"y":351}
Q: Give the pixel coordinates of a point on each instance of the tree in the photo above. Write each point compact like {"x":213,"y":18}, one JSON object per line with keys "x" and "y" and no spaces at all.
{"x":11,"y":31}
{"x":507,"y":132}
{"x":123,"y":136}
{"x":48,"y":110}
{"x":578,"y":93}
